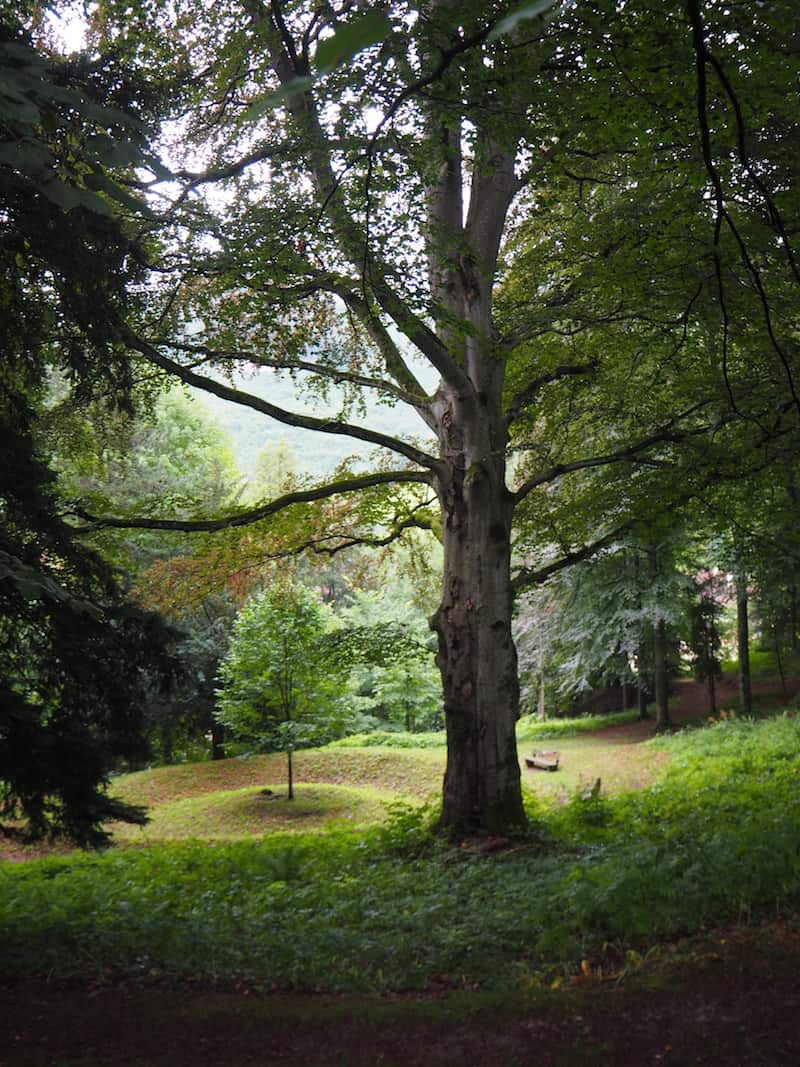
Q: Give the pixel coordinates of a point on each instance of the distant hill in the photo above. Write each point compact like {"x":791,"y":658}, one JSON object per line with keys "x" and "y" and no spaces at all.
{"x":317,"y":453}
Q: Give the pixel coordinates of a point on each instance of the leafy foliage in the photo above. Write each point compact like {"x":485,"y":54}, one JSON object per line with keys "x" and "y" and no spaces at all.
{"x":167,"y":457}
{"x":280,"y":688}
{"x":591,"y":625}
{"x":394,"y":673}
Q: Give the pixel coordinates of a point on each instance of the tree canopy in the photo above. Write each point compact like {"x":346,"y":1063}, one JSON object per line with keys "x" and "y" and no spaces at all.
{"x":577,"y":217}
{"x":71,"y":649}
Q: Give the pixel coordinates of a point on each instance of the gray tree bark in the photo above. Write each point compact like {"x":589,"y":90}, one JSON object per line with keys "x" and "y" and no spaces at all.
{"x":477,"y":657}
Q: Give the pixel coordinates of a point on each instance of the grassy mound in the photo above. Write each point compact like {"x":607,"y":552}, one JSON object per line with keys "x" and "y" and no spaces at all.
{"x":406,"y":773}
{"x":252,"y":812}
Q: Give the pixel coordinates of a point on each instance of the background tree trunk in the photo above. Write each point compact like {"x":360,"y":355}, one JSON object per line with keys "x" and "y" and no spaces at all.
{"x":712,"y":693}
{"x":743,"y":644}
{"x":661,"y":675}
{"x":641,"y":682}
{"x":660,"y":666}
{"x":217,"y":740}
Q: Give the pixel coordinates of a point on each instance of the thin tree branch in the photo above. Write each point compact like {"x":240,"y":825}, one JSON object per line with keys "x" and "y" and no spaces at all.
{"x":306,"y":422}
{"x":631,"y":454}
{"x":702,"y":58}
{"x":335,"y":374}
{"x":515,"y":407}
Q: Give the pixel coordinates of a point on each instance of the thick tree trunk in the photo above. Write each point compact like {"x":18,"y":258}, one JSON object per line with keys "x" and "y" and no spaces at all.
{"x":477,"y":657}
{"x":743,"y":643}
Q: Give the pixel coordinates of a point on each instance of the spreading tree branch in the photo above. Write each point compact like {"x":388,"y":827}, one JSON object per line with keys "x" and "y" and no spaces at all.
{"x":334,"y":374}
{"x":527,"y":577}
{"x":251,"y":515}
{"x":631,"y":454}
{"x":289,"y":66}
{"x":575,"y":370}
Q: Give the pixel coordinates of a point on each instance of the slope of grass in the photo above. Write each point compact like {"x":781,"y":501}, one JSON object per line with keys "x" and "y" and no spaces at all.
{"x":406,"y":773}
{"x":253,"y":812}
{"x":717,"y":838}
{"x":584,"y":759}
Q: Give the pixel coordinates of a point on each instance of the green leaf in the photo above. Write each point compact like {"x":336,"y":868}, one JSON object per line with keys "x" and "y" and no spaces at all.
{"x":100,"y":182}
{"x":371,"y":28}
{"x":520,"y":14}
{"x":28,"y":157}
{"x":276,"y":97}
{"x":15,"y":105}
{"x":68,"y":197}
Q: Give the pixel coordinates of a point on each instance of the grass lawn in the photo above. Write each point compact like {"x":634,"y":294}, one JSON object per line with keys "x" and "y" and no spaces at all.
{"x":329,"y":893}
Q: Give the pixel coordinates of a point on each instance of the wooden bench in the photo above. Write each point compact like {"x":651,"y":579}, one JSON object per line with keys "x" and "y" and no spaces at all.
{"x":542,"y":760}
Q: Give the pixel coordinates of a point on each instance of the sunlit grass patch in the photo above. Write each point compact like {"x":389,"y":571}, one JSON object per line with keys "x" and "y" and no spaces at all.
{"x":582,"y":760}
{"x":253,"y":812}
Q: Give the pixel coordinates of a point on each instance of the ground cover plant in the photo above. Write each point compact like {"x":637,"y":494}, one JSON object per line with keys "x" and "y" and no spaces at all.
{"x":391,"y":907}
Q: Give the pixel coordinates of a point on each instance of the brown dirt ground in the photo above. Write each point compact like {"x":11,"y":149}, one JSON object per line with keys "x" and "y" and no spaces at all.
{"x":727,"y":998}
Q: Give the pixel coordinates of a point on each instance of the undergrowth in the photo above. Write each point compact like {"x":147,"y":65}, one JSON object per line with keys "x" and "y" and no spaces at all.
{"x":392,"y":907}
{"x":533,"y":729}
{"x":528,"y":729}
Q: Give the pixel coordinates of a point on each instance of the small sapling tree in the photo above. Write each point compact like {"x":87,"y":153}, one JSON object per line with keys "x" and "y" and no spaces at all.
{"x":280,"y":687}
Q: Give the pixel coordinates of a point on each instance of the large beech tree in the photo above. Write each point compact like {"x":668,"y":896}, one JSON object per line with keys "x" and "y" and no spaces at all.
{"x":535,"y":207}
